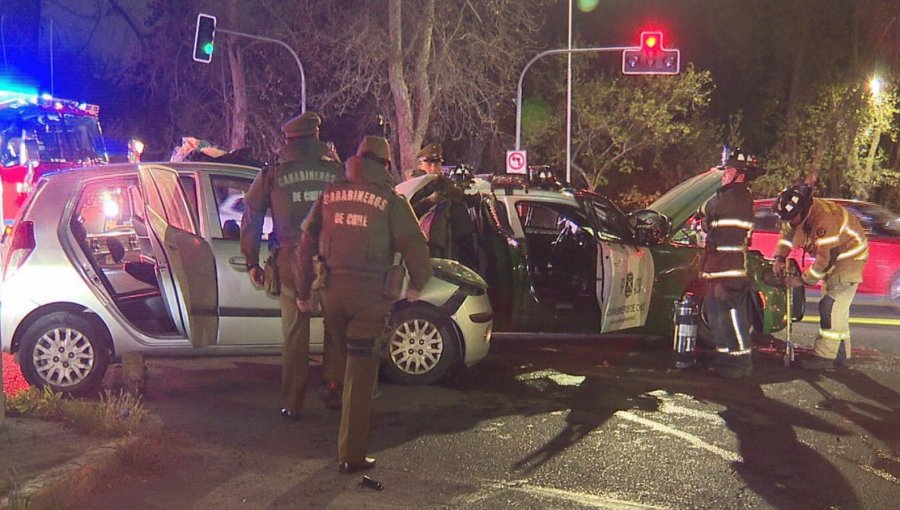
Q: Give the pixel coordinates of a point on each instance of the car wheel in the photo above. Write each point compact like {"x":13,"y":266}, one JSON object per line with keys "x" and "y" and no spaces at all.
{"x":422,"y":347}
{"x":65,"y":352}
{"x":895,"y":292}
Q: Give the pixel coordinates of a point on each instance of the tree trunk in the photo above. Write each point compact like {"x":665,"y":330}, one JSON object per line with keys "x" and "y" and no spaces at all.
{"x":411,"y":95}
{"x":797,"y":79}
{"x":239,"y":110}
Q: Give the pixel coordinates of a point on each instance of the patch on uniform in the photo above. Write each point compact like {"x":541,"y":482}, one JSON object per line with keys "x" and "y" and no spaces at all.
{"x":820,"y":232}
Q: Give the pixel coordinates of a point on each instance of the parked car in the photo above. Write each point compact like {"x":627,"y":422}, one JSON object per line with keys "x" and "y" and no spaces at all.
{"x":881,"y":276}
{"x":566,"y":261}
{"x":108,"y":260}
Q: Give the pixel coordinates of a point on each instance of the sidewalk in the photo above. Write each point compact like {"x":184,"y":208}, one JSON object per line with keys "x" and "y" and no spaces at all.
{"x":44,"y":464}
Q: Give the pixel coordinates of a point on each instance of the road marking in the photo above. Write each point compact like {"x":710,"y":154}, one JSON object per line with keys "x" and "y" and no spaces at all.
{"x":668,"y":406}
{"x":580,"y":498}
{"x":690,"y":438}
{"x":879,"y":473}
{"x":560,"y":378}
{"x":869,"y":321}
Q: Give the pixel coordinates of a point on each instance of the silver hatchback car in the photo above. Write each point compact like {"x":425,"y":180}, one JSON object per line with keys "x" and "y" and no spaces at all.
{"x":141,"y":257}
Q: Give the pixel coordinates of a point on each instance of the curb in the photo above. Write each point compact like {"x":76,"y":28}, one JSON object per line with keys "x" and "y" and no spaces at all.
{"x":79,"y":476}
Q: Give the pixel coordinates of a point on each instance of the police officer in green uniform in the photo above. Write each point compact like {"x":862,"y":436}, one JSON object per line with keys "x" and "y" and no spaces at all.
{"x":429,"y":161}
{"x":289,"y":189}
{"x":355,"y":228}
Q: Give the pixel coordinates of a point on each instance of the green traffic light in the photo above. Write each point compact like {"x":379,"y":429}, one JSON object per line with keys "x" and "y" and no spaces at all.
{"x":208,"y":48}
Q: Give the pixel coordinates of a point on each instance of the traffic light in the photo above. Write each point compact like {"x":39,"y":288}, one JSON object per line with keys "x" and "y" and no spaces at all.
{"x":204,"y":38}
{"x":651,"y":57}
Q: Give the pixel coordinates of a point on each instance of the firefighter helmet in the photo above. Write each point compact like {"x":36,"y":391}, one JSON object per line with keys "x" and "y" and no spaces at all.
{"x":462,"y":174}
{"x":793,"y":201}
{"x":748,"y":164}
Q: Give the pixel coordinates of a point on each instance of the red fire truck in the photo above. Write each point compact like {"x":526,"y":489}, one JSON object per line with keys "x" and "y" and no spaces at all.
{"x":41,"y":133}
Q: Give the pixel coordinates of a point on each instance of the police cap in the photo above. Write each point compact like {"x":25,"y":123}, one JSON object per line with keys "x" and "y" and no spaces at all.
{"x":305,"y":124}
{"x":431,"y":153}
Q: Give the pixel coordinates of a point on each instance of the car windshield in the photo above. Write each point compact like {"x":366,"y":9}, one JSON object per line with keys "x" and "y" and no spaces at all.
{"x":60,"y":137}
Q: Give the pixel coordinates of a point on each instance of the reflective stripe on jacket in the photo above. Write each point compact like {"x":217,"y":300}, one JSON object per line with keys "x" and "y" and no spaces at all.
{"x":728,"y":220}
{"x":833,"y":236}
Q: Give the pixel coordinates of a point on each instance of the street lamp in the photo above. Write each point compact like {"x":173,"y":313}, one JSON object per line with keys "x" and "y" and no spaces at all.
{"x":876,"y":85}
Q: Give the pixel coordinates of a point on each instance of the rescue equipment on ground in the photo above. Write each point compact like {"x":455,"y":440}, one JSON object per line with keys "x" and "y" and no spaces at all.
{"x":687,"y":314}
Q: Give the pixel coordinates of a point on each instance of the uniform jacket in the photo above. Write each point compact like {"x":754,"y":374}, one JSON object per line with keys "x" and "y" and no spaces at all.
{"x":289,"y":189}
{"x":833,"y":236}
{"x":728,"y":221}
{"x":358,"y":225}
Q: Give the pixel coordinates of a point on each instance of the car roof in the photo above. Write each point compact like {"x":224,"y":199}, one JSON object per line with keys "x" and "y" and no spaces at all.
{"x":74,"y":175}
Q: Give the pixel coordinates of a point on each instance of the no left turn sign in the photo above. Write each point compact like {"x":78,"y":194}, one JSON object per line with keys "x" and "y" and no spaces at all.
{"x":516,"y":162}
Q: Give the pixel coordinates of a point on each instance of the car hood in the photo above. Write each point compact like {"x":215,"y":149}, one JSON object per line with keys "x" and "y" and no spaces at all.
{"x":682,"y":201}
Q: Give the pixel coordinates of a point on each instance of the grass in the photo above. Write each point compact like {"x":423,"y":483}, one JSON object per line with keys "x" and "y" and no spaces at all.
{"x":114,"y":414}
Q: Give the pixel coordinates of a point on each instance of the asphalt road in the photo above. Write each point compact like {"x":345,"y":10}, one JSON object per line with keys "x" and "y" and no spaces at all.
{"x":539,"y":424}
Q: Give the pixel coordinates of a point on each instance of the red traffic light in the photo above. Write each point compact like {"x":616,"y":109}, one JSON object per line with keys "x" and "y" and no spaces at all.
{"x":651,"y":57}
{"x":649,"y":39}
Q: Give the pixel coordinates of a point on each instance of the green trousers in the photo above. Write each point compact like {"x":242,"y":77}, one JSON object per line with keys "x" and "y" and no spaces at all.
{"x":356,"y":313}
{"x":294,"y":352}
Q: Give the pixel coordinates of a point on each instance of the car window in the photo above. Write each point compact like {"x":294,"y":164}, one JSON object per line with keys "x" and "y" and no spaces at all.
{"x":538,"y":218}
{"x":876,"y":219}
{"x":765,"y":220}
{"x":169,"y":195}
{"x":229,"y":195}
{"x":612,"y":224}
{"x":105,"y":214}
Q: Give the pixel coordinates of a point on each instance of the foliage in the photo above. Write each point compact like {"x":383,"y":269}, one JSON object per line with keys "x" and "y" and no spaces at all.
{"x":115,"y":414}
{"x":36,"y":403}
{"x":633,"y":125}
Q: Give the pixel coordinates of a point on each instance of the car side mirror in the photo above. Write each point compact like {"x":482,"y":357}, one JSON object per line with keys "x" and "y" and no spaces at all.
{"x":650,"y":227}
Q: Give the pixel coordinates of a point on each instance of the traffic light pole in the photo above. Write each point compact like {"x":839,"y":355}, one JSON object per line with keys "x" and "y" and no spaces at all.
{"x":522,"y":78}
{"x":285,"y":45}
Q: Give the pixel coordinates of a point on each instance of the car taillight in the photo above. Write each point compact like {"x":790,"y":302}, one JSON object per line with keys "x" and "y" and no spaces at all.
{"x":21,"y":245}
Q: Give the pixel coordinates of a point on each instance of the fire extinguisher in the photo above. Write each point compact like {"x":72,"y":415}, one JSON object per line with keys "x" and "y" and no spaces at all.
{"x":686,"y":323}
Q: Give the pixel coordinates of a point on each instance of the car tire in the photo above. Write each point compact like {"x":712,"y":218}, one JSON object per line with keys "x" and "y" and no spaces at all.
{"x":894,"y":292}
{"x":65,"y":352}
{"x":422,"y":346}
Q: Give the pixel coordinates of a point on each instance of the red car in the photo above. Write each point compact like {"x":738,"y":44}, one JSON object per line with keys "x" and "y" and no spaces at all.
{"x":881,"y":276}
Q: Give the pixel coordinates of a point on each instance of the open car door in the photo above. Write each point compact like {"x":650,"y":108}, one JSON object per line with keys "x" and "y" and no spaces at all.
{"x":185,"y":262}
{"x":625,"y":272}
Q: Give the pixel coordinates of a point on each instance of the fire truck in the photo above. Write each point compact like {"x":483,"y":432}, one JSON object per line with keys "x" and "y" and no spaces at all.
{"x":40,"y":133}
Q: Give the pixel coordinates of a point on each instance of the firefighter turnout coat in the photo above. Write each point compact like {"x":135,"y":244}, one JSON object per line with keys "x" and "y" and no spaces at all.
{"x":833,"y":236}
{"x":728,"y":222}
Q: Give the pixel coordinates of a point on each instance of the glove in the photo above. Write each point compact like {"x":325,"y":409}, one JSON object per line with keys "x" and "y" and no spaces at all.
{"x":779,"y":267}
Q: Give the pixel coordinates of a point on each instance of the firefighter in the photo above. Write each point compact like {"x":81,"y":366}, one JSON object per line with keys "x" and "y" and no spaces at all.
{"x":728,"y":223}
{"x":289,"y":189}
{"x":838,"y":242}
{"x":355,"y":229}
{"x":429,"y":161}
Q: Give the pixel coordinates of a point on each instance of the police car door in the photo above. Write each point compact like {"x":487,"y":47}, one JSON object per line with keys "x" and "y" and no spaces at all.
{"x":624,"y":271}
{"x":187,"y":271}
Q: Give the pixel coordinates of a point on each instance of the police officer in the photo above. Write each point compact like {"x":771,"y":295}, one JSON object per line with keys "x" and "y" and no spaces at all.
{"x":289,"y":189}
{"x":728,"y":223}
{"x":429,"y":161}
{"x":838,"y":242}
{"x":356,"y":227}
